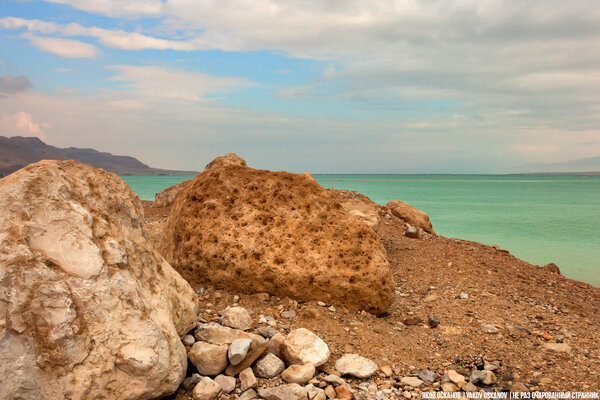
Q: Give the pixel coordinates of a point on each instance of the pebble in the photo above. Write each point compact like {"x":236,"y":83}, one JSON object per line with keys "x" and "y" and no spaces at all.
{"x":262,"y":296}
{"x":249,"y":394}
{"x":188,"y":340}
{"x":284,"y":392}
{"x":301,"y":346}
{"x":355,"y":365}
{"x":469,"y":387}
{"x":490,"y":366}
{"x":489,"y":328}
{"x":248,"y":380}
{"x":227,"y":383}
{"x":387,"y":370}
{"x":456,"y":378}
{"x":433,"y":322}
{"x":206,"y":389}
{"x":210,"y":359}
{"x":485,"y":377}
{"x":411,"y":381}
{"x":290,"y":314}
{"x":556,"y":347}
{"x":238,"y":350}
{"x":298,"y":373}
{"x":428,"y":376}
{"x":334,"y":379}
{"x":191,"y":381}
{"x":237,"y":318}
{"x":269,"y":366}
{"x":449,"y":387}
{"x":413,"y":232}
{"x":519,"y":387}
{"x":342,"y":392}
{"x":330,"y":392}
{"x":464,"y":296}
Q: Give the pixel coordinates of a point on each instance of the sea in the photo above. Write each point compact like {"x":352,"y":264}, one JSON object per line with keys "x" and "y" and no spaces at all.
{"x":539,"y":218}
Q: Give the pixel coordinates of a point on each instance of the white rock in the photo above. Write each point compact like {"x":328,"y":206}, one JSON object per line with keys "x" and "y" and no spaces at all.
{"x":556,"y":347}
{"x":188,"y":340}
{"x":210,"y":359}
{"x":86,"y":298}
{"x":237,"y":318}
{"x":301,"y":346}
{"x":489,"y":328}
{"x":299,"y":373}
{"x":290,"y":391}
{"x":268,"y":366}
{"x":206,"y":389}
{"x":248,"y":380}
{"x":355,"y":365}
{"x":485,"y":377}
{"x":227,"y":383}
{"x":412,"y":381}
{"x":238,"y":350}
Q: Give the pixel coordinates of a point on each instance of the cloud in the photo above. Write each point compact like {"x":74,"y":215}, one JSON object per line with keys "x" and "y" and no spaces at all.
{"x":163,"y":82}
{"x":21,"y":124}
{"x":62,"y":70}
{"x":12,"y":85}
{"x":63,"y":47}
{"x":116,"y":8}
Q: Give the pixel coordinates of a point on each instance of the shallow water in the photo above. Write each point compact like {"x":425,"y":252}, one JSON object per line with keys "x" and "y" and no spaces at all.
{"x":540,"y":219}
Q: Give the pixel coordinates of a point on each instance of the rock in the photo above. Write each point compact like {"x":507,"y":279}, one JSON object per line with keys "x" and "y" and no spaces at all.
{"x":330,"y":392}
{"x":275,"y":344}
{"x":269,"y":366}
{"x":227,"y":383}
{"x":342,"y":392}
{"x":355,"y":365}
{"x":485,"y":377}
{"x":228,"y":160}
{"x":410,"y":215}
{"x":301,"y":346}
{"x":490,"y":366}
{"x":85,"y":297}
{"x":237,"y":318}
{"x":256,"y":350}
{"x":288,"y":314}
{"x":266,"y":331}
{"x":411,"y":381}
{"x":489,"y":328}
{"x":433,"y":322}
{"x":469,"y":387}
{"x":249,"y":394}
{"x":214,"y":333}
{"x":206,"y":389}
{"x":191,"y":381}
{"x":188,"y":340}
{"x":316,"y":394}
{"x":449,"y":387}
{"x":262,"y":296}
{"x":456,"y":378}
{"x":334,"y":379}
{"x":428,"y":376}
{"x":552,"y":268}
{"x":299,"y":373}
{"x":238,"y":350}
{"x":210,"y":359}
{"x":167,"y":196}
{"x":387,"y":371}
{"x":413,"y":232}
{"x":464,"y":296}
{"x":336,"y":257}
{"x":290,"y":391}
{"x":556,"y":347}
{"x":519,"y":387}
{"x":412,"y":320}
{"x":248,"y":380}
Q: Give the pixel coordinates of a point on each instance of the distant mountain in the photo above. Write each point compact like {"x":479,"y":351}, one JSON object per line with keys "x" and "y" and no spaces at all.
{"x":585,"y":166}
{"x":17,"y":152}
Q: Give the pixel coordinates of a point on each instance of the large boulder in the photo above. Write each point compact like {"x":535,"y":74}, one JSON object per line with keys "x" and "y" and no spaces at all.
{"x":166,"y":197}
{"x":256,"y":231}
{"x":410,"y":215}
{"x":88,"y":308}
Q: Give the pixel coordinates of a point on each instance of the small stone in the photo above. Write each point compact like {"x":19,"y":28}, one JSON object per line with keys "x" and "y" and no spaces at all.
{"x":238,"y":350}
{"x":227,"y":383}
{"x":485,"y":377}
{"x":556,"y":347}
{"x":249,"y":394}
{"x":342,"y":392}
{"x":330,"y":392}
{"x":301,"y":346}
{"x":413,"y":232}
{"x":490,"y":366}
{"x":322,"y":304}
{"x":269,"y":366}
{"x":334,"y":380}
{"x":191,"y":381}
{"x":237,"y":318}
{"x":290,"y":314}
{"x":457,"y":378}
{"x":469,"y":387}
{"x":355,"y":365}
{"x":188,"y":340}
{"x":545,"y":381}
{"x":449,"y":387}
{"x":236,"y":298}
{"x":275,"y":344}
{"x":428,"y":376}
{"x":257,"y":349}
{"x":299,"y":373}
{"x":210,"y":359}
{"x":316,"y":394}
{"x":464,"y":296}
{"x":412,"y":320}
{"x":433,"y":322}
{"x":266,"y":331}
{"x":411,"y":381}
{"x":285,"y":392}
{"x":489,"y":328}
{"x":331,"y":308}
{"x":206,"y":389}
{"x":387,"y":370}
{"x":248,"y":380}
{"x":262,"y":296}
{"x":519,"y":387}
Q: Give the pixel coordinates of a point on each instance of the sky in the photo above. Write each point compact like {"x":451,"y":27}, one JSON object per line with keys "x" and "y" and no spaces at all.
{"x":352,"y":86}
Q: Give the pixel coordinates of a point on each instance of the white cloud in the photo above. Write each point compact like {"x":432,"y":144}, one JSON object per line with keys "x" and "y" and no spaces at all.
{"x":116,"y":8}
{"x":162,"y":82}
{"x":12,"y":85}
{"x":63,"y":47}
{"x":21,"y":124}
{"x":62,"y":70}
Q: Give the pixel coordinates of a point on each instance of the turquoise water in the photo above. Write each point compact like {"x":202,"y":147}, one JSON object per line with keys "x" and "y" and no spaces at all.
{"x":540,"y":219}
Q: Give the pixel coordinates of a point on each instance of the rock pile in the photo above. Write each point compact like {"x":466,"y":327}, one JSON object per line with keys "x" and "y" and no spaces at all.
{"x":255,"y":231}
{"x":88,"y":308}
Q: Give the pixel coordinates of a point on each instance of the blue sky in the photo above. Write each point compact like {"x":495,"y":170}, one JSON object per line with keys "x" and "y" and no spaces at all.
{"x":340,"y":86}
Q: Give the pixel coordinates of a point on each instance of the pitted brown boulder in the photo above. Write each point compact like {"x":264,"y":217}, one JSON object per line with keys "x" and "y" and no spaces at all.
{"x":257,"y":231}
{"x":411,"y":215}
{"x":88,"y":308}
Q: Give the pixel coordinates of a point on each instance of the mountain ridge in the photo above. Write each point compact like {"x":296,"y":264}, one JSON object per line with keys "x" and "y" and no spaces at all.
{"x":18,"y":151}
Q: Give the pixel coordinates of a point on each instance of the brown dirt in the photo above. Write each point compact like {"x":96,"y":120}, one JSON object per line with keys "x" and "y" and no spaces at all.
{"x":523,"y":301}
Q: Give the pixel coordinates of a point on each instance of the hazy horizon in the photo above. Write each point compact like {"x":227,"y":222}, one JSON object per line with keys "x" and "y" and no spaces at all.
{"x":477,"y":87}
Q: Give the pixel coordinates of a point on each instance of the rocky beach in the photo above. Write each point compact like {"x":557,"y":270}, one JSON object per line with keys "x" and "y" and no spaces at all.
{"x":251,"y":284}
